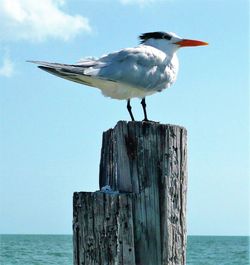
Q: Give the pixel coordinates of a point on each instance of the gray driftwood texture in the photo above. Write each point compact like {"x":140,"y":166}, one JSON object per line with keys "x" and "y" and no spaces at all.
{"x":145,"y":223}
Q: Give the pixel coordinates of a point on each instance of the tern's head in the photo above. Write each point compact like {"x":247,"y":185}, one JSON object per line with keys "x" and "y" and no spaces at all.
{"x":167,"y":41}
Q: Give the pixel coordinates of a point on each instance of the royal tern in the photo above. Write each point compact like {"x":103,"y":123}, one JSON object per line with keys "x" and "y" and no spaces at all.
{"x":136,"y":72}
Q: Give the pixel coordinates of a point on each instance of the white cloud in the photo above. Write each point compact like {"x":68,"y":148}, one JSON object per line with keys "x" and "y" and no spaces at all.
{"x":38,"y":20}
{"x":7,"y":67}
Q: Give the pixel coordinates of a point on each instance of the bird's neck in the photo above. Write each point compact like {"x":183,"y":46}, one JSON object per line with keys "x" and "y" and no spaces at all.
{"x":168,"y":49}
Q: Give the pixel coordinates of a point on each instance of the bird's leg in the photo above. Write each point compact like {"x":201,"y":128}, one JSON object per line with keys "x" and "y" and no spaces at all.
{"x":143,"y":102}
{"x":130,"y":110}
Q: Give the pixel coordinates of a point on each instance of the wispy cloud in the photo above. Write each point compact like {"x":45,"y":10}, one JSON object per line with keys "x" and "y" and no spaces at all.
{"x":39,"y":20}
{"x":7,"y":67}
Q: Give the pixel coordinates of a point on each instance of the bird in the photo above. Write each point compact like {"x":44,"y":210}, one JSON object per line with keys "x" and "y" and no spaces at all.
{"x":137,"y":72}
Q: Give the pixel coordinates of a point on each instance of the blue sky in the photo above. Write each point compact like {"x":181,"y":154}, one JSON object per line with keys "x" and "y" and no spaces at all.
{"x":51,"y":128}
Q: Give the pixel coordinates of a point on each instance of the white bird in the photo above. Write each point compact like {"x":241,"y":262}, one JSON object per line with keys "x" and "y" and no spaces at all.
{"x":136,"y":72}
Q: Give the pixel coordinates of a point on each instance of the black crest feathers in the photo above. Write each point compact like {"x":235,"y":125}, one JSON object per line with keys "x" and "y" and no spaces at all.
{"x":154,"y":35}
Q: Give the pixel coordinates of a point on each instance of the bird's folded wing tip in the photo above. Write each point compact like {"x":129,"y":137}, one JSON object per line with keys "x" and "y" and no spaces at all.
{"x":31,"y":61}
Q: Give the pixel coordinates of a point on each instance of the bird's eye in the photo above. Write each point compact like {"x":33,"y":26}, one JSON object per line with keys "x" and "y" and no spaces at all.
{"x":167,"y":36}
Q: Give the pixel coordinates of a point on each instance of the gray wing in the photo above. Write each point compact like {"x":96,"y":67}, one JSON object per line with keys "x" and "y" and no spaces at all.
{"x":140,"y":67}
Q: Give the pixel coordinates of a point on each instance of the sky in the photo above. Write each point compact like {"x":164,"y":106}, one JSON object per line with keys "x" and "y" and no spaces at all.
{"x":51,"y":128}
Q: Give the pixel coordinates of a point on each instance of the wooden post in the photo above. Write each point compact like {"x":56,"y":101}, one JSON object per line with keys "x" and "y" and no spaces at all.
{"x":145,"y":223}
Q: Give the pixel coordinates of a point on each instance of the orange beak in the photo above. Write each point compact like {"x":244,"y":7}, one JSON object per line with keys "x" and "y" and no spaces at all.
{"x":191,"y":43}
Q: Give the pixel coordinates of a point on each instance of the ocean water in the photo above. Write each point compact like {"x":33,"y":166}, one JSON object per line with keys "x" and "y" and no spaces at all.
{"x":57,"y":249}
{"x":36,"y":250}
{"x":218,"y":250}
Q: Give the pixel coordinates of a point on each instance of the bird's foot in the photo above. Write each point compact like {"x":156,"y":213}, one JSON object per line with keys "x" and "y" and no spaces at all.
{"x":146,"y":120}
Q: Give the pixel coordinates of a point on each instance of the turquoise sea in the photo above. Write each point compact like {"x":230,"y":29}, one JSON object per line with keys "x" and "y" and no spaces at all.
{"x":57,"y":250}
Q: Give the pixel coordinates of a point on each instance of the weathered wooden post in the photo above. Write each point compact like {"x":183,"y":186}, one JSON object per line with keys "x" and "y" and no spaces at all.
{"x":144,"y":221}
